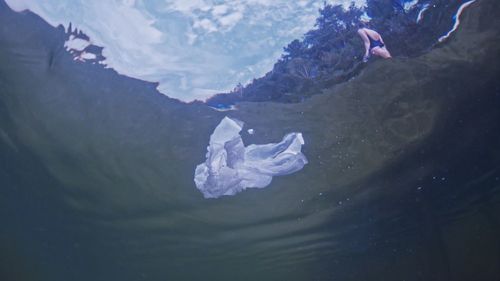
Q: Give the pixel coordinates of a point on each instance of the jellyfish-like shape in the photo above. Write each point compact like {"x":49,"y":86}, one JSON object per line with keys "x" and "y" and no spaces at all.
{"x":231,"y":167}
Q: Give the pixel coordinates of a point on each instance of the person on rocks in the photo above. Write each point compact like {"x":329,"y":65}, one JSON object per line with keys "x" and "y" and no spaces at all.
{"x":374,"y":44}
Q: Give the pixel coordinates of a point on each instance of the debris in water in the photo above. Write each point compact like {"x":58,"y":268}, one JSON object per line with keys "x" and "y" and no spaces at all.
{"x":231,"y":167}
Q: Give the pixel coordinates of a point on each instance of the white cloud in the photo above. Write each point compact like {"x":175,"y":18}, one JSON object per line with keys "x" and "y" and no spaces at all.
{"x":231,"y":19}
{"x":205,"y":24}
{"x":187,"y":6}
{"x":220,"y":10}
{"x":191,"y":36}
{"x":77,"y":44}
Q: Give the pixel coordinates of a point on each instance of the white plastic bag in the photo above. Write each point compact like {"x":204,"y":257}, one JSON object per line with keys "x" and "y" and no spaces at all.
{"x":231,"y":167}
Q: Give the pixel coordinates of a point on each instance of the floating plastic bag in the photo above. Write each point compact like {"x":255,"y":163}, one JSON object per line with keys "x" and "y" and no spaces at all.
{"x":231,"y":167}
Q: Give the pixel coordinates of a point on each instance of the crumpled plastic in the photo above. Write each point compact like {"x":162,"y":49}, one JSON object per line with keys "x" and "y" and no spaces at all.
{"x":231,"y":167}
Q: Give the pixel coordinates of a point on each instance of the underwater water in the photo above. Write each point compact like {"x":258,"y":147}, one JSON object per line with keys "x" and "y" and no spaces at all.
{"x":402,"y":180}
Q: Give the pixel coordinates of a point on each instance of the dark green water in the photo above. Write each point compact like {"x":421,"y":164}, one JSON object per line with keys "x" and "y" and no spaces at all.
{"x":96,"y":171}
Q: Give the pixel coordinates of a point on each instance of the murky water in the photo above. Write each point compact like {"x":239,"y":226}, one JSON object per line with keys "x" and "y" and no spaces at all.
{"x":403,"y":180}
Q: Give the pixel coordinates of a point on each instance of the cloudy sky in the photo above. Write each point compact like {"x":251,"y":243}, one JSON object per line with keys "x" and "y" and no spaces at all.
{"x":194,"y":48}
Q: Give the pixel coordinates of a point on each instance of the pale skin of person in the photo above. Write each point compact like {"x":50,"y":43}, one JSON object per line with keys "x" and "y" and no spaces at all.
{"x":377,"y":51}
